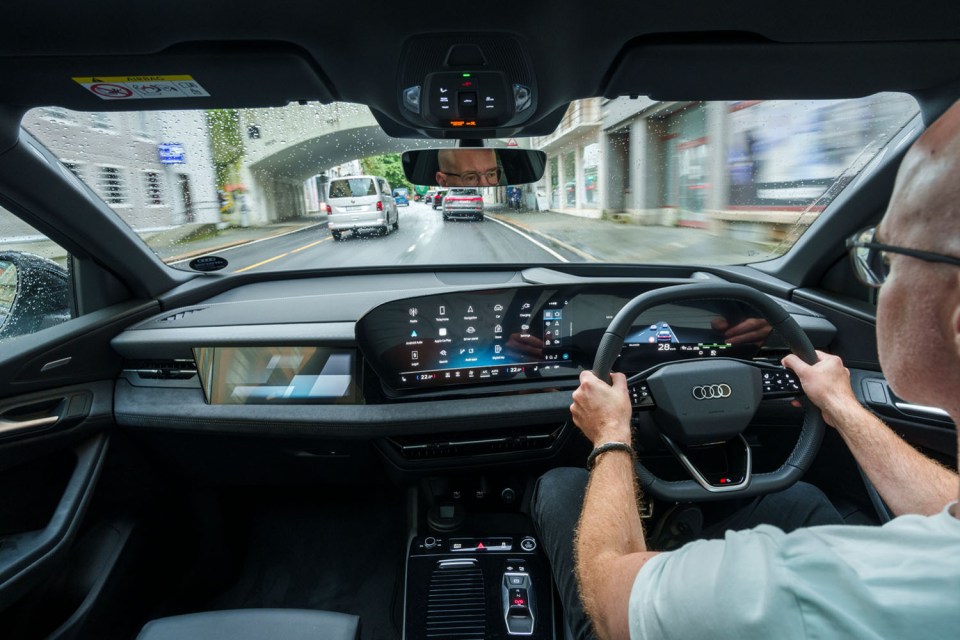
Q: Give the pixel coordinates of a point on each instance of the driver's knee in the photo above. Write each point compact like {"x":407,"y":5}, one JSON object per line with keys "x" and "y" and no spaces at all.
{"x":558,"y":497}
{"x":802,"y":505}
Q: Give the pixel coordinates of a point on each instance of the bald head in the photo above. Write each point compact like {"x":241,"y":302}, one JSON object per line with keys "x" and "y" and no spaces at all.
{"x":454,"y":163}
{"x":924,"y":209}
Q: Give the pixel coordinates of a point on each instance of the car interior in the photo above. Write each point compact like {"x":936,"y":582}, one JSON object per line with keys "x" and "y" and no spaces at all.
{"x":154,"y":485}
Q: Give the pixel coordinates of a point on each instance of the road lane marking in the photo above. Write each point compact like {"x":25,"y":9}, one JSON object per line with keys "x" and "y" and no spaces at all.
{"x":521,"y":233}
{"x":559,"y":243}
{"x":282,"y":255}
{"x":244,"y":243}
{"x":412,"y":247}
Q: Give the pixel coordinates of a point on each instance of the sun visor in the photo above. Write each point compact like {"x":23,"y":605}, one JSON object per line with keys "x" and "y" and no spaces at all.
{"x":769,"y":70}
{"x":197,"y":76}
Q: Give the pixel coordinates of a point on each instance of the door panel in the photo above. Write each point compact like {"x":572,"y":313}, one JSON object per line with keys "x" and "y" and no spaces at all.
{"x":52,"y":448}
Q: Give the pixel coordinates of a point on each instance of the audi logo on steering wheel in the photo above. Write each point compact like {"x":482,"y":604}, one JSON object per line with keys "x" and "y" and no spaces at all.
{"x":712,"y":391}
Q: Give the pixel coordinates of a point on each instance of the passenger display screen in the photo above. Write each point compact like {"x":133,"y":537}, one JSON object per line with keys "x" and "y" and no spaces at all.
{"x":534,"y":333}
{"x":277,"y":375}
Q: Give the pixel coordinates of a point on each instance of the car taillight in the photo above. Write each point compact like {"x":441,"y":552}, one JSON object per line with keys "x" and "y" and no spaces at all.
{"x":325,"y":208}
{"x":477,"y":199}
{"x":379,"y":206}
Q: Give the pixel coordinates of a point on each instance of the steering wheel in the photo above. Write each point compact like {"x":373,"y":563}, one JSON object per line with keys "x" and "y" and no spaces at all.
{"x":701,"y":403}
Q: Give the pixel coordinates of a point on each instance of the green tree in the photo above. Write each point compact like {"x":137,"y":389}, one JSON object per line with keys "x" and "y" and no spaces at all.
{"x":386,"y":166}
{"x":226,"y":143}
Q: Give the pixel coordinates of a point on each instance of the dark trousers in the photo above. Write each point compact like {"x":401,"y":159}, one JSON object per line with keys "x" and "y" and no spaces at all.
{"x":558,"y":498}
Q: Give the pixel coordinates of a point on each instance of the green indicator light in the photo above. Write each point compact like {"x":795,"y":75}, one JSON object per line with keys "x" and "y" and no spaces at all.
{"x":466,"y":75}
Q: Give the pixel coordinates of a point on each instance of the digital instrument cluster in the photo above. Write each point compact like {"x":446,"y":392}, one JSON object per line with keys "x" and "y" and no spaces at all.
{"x":536,"y":333}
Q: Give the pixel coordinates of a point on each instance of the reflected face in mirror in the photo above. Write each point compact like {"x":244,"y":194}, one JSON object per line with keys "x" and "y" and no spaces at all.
{"x":468,"y":168}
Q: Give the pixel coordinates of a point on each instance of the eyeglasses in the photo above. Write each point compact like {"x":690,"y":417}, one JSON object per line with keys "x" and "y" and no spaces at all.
{"x":473,"y":178}
{"x":870,"y":260}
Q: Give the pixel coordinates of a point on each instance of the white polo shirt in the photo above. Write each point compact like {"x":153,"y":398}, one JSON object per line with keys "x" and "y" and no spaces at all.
{"x":901,"y":580}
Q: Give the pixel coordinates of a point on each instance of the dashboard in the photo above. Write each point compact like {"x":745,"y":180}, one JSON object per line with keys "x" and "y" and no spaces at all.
{"x":499,"y":336}
{"x":355,"y":341}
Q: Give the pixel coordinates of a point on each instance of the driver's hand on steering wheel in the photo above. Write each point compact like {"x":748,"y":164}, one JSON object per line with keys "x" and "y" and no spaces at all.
{"x":602,"y":411}
{"x":827,"y":384}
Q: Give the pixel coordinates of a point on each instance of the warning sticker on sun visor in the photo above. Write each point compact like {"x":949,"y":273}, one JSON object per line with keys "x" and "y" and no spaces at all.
{"x":142,"y":87}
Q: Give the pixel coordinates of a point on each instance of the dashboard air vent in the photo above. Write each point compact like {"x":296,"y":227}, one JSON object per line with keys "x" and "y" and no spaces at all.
{"x":181,"y":369}
{"x":453,"y":445}
{"x":180,"y":315}
{"x":456,"y":607}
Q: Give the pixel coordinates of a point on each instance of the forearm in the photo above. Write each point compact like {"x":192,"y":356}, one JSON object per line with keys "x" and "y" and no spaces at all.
{"x":609,"y":529}
{"x":908,"y":481}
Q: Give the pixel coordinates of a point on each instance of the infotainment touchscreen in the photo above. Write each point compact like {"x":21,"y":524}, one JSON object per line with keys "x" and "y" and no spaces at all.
{"x":533,"y":333}
{"x":276,"y":375}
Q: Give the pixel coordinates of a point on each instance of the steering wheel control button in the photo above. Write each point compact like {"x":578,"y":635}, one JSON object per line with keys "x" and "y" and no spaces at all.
{"x":429,"y":542}
{"x":528,"y":544}
{"x":780,"y":383}
{"x":640,"y":396}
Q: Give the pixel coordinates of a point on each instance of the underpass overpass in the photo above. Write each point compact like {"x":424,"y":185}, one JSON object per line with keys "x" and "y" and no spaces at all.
{"x":286,"y":146}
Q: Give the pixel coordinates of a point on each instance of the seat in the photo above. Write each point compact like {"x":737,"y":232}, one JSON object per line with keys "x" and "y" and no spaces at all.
{"x":254,"y":624}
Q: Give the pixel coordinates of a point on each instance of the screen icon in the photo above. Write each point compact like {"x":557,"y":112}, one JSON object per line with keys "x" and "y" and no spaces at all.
{"x":498,"y":307}
{"x":443,"y":352}
{"x":413,"y":311}
{"x":413,"y":334}
{"x":471,"y":330}
{"x":443,"y":331}
{"x":497,"y":348}
{"x":443,"y":310}
{"x":414,"y":355}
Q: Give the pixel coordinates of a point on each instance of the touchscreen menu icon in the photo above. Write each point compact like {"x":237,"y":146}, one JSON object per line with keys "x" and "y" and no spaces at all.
{"x":552,"y":329}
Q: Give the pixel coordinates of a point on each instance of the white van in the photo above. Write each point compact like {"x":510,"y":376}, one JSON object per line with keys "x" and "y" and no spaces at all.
{"x":360,"y":203}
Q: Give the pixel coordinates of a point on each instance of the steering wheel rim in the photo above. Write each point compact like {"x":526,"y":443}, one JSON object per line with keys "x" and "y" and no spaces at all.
{"x":811,"y":433}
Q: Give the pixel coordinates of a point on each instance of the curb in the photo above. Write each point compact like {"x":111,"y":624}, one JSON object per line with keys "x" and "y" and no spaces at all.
{"x":557,"y":243}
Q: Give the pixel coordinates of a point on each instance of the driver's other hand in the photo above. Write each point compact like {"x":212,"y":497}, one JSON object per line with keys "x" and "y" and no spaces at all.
{"x":602,"y":411}
{"x":826,"y":383}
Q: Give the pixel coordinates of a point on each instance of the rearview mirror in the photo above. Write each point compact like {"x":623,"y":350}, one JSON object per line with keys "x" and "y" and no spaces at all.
{"x":473,"y":167}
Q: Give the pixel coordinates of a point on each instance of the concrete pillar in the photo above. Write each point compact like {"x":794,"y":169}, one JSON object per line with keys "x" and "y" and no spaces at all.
{"x":547,"y":181}
{"x":561,"y":189}
{"x":718,"y":134}
{"x":578,"y":173}
{"x":604,"y":164}
{"x":637,"y":165}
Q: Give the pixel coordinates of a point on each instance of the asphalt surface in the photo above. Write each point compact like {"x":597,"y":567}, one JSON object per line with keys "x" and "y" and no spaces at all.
{"x":423,"y":239}
{"x":505,"y":237}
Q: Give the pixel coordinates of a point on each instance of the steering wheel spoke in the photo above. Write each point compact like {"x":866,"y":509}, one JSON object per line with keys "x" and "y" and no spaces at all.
{"x":733,"y":476}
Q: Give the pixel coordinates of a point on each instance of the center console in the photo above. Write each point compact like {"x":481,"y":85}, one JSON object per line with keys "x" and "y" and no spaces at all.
{"x":476,"y":568}
{"x":468,"y":586}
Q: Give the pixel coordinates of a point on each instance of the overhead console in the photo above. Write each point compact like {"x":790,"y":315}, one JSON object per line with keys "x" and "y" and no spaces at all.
{"x":458,"y":83}
{"x":542,"y":333}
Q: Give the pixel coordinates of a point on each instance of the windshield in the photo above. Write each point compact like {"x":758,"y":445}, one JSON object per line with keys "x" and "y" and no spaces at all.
{"x":626,"y":181}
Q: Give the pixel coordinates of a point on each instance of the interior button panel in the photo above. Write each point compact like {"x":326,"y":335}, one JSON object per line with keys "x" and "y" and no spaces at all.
{"x":466,"y":99}
{"x":640,"y":396}
{"x":780,"y":383}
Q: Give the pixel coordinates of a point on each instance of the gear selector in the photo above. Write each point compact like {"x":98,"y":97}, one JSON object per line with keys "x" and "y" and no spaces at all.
{"x":519,"y":611}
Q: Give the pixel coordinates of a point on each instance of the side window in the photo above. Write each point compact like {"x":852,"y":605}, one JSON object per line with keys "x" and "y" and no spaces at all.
{"x":35,"y":289}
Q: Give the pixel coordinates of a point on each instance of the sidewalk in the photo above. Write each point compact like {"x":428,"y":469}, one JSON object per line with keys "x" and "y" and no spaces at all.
{"x":595,"y":240}
{"x":185,"y":242}
{"x":208,"y":239}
